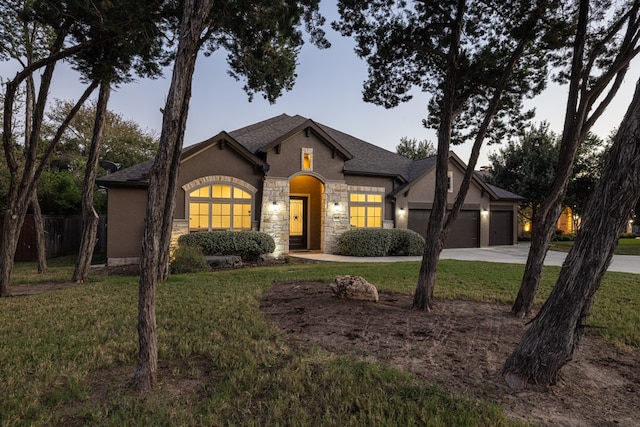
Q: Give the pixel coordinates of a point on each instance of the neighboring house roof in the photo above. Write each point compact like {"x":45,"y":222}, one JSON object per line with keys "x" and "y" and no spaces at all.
{"x":361,"y":157}
{"x":134,"y":176}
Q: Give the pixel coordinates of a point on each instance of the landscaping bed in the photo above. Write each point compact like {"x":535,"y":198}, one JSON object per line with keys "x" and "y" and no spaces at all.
{"x":461,"y":347}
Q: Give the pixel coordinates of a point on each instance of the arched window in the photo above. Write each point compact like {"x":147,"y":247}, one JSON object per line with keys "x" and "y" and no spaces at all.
{"x":219,"y":207}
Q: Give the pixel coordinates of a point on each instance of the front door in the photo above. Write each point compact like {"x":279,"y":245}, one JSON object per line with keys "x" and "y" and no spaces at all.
{"x":298,"y":222}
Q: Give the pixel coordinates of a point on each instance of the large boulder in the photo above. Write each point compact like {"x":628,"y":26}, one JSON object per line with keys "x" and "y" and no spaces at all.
{"x":354,"y":287}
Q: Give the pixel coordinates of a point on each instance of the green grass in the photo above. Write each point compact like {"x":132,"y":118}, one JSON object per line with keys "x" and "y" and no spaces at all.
{"x":67,"y":355}
{"x":625,"y":247}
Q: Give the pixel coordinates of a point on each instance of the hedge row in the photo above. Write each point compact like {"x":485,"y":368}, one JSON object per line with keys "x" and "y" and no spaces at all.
{"x":369,"y":242}
{"x":249,"y":245}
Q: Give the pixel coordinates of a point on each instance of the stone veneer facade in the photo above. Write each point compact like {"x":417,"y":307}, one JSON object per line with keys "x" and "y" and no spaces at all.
{"x":274,"y":219}
{"x":275,"y":213}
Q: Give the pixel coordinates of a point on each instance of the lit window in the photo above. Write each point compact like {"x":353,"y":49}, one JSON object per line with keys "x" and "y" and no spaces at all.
{"x":307,"y":159}
{"x":219,"y":207}
{"x":450,"y":182}
{"x":365,"y":210}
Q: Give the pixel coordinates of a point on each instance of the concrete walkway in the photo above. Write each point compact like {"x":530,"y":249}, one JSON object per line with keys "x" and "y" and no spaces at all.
{"x":516,"y":254}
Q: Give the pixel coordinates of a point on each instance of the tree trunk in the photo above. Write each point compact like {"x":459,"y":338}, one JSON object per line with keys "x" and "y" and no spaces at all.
{"x":38,"y":223}
{"x":89,"y":215}
{"x":12,"y":222}
{"x":555,"y":333}
{"x":434,"y":240}
{"x":579,"y":118}
{"x":544,"y":224}
{"x":162,"y":183}
{"x":438,"y":228}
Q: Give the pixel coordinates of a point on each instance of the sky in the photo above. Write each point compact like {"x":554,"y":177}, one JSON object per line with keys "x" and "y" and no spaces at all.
{"x":328,"y":90}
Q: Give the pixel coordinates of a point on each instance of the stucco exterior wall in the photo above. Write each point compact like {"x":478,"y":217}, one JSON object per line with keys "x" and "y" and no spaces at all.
{"x":376,"y":181}
{"x":126,"y":210}
{"x":216,"y":161}
{"x":289,"y":160}
{"x":421,"y":195}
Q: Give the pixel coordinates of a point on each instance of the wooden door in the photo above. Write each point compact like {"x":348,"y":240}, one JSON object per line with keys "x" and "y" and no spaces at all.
{"x":298,"y":207}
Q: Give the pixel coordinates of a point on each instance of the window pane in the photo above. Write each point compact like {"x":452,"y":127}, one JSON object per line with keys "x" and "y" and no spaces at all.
{"x":374,"y":198}
{"x":198,"y":215}
{"x":357,"y":216}
{"x":354,"y":197}
{"x":221,"y":191}
{"x":221,"y":216}
{"x":374,"y":217}
{"x":240,"y":194}
{"x":200,"y":192}
{"x":241,"y":216}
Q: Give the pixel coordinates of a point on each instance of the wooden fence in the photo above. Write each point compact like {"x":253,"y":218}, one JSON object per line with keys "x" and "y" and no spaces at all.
{"x":62,"y":237}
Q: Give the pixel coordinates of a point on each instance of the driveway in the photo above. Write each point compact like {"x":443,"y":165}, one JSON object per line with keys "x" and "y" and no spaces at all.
{"x":516,"y":254}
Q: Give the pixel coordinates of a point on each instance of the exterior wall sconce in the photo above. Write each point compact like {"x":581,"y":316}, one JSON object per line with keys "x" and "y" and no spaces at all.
{"x":402,"y":212}
{"x":336,"y":207}
{"x":274,"y":207}
{"x":484,"y":212}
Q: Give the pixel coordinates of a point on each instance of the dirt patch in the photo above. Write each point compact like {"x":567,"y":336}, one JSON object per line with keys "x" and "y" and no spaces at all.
{"x":461,"y":346}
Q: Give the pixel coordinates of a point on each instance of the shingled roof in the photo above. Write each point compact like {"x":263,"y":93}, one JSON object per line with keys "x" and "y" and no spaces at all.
{"x":361,"y":157}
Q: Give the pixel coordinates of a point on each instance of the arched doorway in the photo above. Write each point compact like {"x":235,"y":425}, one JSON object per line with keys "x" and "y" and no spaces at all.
{"x":306,"y":218}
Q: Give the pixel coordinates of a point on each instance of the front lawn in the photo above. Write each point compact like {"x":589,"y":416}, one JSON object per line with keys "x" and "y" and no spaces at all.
{"x":625,"y":247}
{"x":67,"y":355}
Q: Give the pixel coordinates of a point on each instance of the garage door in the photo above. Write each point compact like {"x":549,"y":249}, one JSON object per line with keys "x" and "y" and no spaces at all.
{"x":500,"y":228}
{"x":465,"y":232}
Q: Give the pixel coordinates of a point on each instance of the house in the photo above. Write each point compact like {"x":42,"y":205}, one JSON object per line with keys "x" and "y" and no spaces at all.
{"x":304,"y":183}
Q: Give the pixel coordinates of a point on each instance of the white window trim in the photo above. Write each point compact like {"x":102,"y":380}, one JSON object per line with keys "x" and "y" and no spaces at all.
{"x":211,"y":200}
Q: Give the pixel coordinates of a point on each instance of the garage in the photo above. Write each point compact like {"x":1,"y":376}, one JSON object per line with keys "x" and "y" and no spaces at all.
{"x":465,"y":232}
{"x":500,"y":228}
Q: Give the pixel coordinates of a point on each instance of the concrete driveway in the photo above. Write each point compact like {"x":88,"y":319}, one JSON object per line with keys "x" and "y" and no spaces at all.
{"x":516,"y":254}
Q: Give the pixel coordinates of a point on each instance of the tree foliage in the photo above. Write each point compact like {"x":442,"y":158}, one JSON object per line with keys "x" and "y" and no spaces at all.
{"x":527,"y":166}
{"x":124,"y":142}
{"x":414,"y":149}
{"x":406,"y":44}
{"x":587,"y":168}
{"x":103,"y":41}
{"x":477,"y":60}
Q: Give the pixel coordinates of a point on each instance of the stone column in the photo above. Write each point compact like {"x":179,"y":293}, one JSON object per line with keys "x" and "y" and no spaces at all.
{"x":336,"y":214}
{"x":178,"y":228}
{"x":274,"y":219}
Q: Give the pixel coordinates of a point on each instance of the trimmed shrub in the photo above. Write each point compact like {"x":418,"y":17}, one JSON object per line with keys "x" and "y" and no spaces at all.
{"x":249,"y":245}
{"x":188,"y":259}
{"x":370,"y":242}
{"x":405,"y":242}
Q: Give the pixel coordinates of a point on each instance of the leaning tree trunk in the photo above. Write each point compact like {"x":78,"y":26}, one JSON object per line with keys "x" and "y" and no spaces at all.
{"x":90,"y":217}
{"x":163,"y":176}
{"x":555,"y":333}
{"x":580,"y":116}
{"x":544,"y":223}
{"x":38,"y":223}
{"x":434,"y":239}
{"x":38,"y":220}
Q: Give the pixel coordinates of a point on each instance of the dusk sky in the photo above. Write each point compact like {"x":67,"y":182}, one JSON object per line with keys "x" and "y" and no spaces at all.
{"x":327,"y":90}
